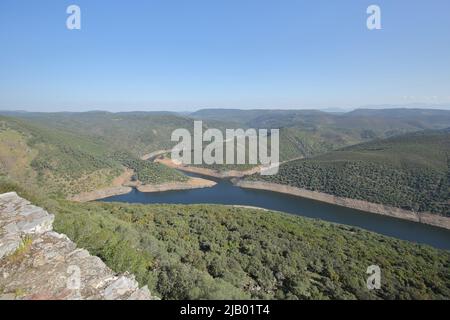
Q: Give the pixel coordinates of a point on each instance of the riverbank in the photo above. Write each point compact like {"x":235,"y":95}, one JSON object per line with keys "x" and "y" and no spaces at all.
{"x":100,"y":194}
{"x":209,"y":172}
{"x":193,"y":183}
{"x":426,"y":218}
{"x":123,"y":184}
{"x":154,"y":154}
{"x":250,"y":207}
{"x":118,"y":187}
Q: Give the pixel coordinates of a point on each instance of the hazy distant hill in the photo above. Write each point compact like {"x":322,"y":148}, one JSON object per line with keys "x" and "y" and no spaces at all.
{"x":264,"y":118}
{"x":376,"y":120}
{"x":311,"y":132}
{"x":394,"y":120}
{"x":410,"y":171}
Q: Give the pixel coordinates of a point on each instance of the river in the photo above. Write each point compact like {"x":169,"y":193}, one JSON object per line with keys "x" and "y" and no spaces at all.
{"x":226,"y":193}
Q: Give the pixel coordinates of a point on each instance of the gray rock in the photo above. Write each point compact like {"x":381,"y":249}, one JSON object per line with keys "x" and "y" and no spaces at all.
{"x":37,"y":225}
{"x":120,"y":287}
{"x":141,"y":294}
{"x":9,"y":244}
{"x":52,"y":267}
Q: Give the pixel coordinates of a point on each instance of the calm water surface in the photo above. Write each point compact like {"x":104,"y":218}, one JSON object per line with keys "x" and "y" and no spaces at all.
{"x":226,"y":193}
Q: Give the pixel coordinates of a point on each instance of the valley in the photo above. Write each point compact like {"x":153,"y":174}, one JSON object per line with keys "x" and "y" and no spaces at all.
{"x":201,"y":237}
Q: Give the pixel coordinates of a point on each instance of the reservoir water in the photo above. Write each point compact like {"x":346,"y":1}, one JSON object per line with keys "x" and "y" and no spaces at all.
{"x":226,"y":193}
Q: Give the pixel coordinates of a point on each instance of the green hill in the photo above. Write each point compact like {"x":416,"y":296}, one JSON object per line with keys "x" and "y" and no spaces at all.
{"x":215,"y":252}
{"x":303,"y":133}
{"x":409,"y":171}
{"x":65,"y":163}
{"x":378,"y":120}
{"x":218,"y":252}
{"x":74,"y":152}
{"x":58,"y":161}
{"x":137,"y":132}
{"x":306,"y":133}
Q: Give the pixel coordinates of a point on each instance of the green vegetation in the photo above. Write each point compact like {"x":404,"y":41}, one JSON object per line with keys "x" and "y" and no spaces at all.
{"x":22,"y":250}
{"x":58,"y":161}
{"x":64,"y":163}
{"x":217,"y":252}
{"x":368,"y":123}
{"x":148,"y":172}
{"x":308,"y":133}
{"x":410,"y":171}
{"x":304,"y":133}
{"x":136,"y":132}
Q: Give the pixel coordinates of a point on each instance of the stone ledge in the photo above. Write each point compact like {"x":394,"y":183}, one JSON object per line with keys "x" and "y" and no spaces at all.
{"x":37,"y":263}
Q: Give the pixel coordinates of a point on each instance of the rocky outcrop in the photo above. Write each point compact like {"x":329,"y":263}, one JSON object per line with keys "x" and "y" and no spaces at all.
{"x":427,"y":218}
{"x":37,"y":263}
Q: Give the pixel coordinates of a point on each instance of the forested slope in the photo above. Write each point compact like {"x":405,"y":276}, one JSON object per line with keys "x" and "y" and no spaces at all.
{"x":64,"y":163}
{"x":137,"y":132}
{"x":409,"y":171}
{"x":205,"y":252}
{"x":218,"y":252}
{"x":307,"y":133}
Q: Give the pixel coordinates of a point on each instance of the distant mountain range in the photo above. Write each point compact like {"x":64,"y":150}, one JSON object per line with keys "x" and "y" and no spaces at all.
{"x":303,"y":132}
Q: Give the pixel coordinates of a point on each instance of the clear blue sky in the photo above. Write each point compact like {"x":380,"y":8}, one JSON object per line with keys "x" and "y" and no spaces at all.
{"x":190,"y":54}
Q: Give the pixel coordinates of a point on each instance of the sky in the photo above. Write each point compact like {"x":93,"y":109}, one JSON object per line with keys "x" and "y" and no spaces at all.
{"x":181,"y":55}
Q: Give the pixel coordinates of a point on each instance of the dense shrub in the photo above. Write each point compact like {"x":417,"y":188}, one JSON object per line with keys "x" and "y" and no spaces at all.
{"x":217,"y":252}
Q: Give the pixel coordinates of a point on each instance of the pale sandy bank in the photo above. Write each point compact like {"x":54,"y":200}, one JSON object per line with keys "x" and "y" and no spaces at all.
{"x":154,"y":154}
{"x":422,"y":217}
{"x":100,"y":194}
{"x":209,"y":172}
{"x":193,"y":183}
{"x":123,"y":185}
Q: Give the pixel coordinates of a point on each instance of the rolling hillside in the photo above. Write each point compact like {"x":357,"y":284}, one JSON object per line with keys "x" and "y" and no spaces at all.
{"x":137,"y":132}
{"x":219,"y":252}
{"x":303,"y":133}
{"x":60,"y":162}
{"x":410,"y":171}
{"x":378,"y":120}
{"x":306,"y":133}
{"x":65,"y":163}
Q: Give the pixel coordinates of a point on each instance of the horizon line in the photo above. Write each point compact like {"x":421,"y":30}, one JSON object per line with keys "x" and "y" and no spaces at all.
{"x":416,"y":106}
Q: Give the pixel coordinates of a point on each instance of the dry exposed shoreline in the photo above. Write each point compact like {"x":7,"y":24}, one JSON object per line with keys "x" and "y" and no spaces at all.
{"x":123,"y":185}
{"x":426,"y":218}
{"x":193,"y":183}
{"x":154,"y":154}
{"x":117,"y":188}
{"x":100,"y":194}
{"x":209,"y":172}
